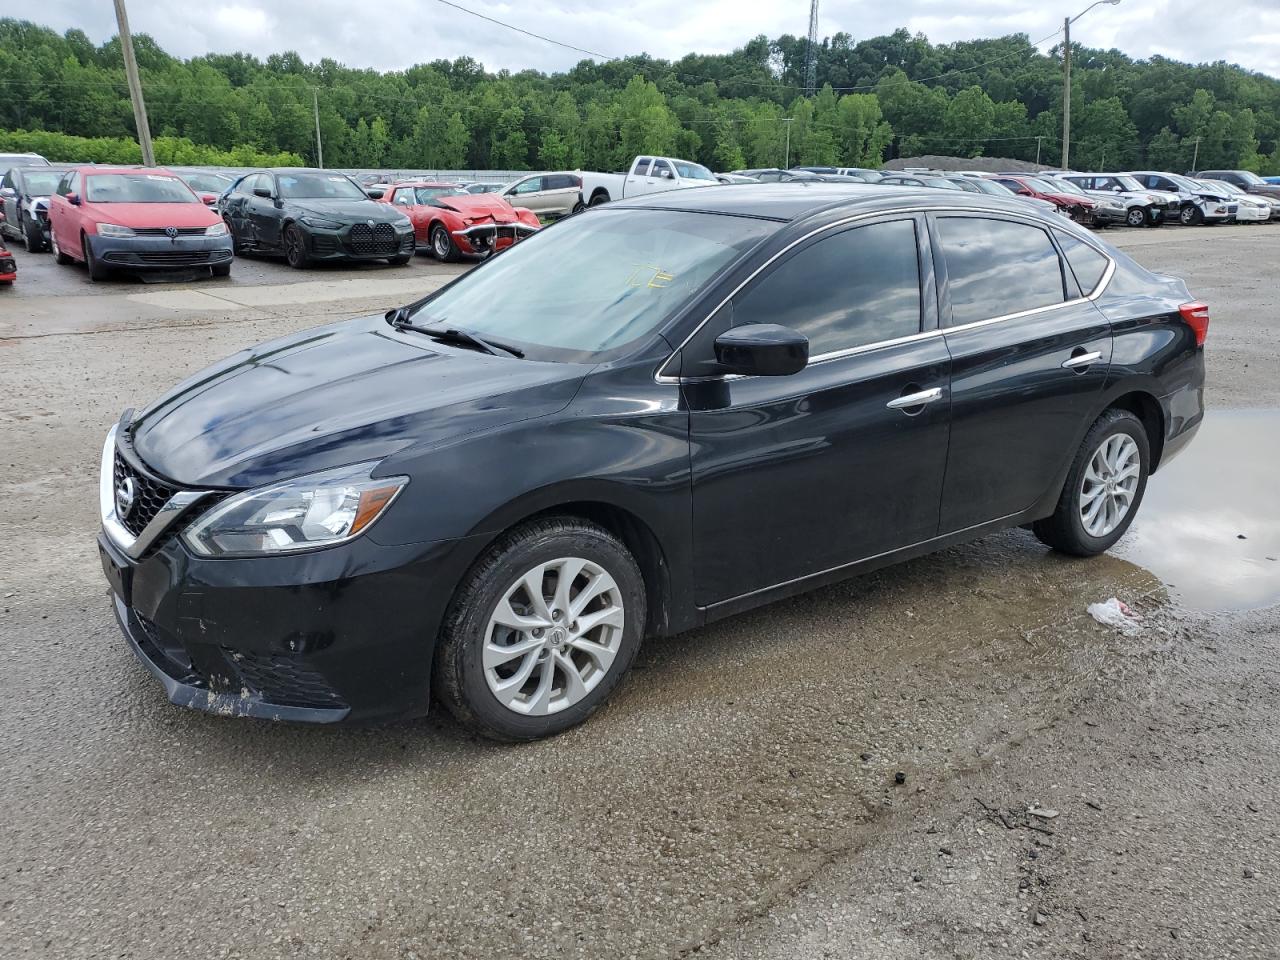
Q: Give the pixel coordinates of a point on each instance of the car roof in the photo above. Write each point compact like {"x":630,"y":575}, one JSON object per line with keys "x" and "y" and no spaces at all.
{"x":800,"y":199}
{"x":88,"y":170}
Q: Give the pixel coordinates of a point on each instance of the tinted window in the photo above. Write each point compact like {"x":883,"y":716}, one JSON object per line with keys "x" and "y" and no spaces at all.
{"x":642,"y":165}
{"x":997,"y":267}
{"x":557,"y":182}
{"x":327,"y":186}
{"x":856,"y":287}
{"x":1085,"y":262}
{"x":662,"y":169}
{"x":532,"y":185}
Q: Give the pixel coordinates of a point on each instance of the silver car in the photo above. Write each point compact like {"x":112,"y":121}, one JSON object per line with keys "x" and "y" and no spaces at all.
{"x":549,"y":195}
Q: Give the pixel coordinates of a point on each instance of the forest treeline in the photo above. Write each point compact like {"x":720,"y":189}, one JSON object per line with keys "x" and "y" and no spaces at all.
{"x":882,"y":97}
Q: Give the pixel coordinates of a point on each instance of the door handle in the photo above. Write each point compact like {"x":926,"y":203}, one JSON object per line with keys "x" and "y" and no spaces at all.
{"x":1077,"y":360}
{"x":915,"y":399}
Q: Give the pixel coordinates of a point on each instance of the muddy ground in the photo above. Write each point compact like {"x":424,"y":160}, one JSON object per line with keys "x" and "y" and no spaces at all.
{"x":737,"y":798}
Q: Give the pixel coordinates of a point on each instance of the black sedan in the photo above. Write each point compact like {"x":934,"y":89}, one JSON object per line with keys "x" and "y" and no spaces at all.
{"x":24,"y":201}
{"x":311,"y":215}
{"x":748,"y":394}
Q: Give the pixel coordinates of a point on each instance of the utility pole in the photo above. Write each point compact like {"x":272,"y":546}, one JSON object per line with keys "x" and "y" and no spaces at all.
{"x":1038,"y":139}
{"x":786,"y":163}
{"x":811,"y":52}
{"x":1195,"y":160}
{"x":1066,"y":93}
{"x":315,"y":105}
{"x":135,"y":86}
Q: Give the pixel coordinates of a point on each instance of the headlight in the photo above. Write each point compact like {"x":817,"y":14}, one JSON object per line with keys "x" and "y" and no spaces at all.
{"x":318,"y":510}
{"x":114,"y":230}
{"x":216,"y":230}
{"x":321,"y":223}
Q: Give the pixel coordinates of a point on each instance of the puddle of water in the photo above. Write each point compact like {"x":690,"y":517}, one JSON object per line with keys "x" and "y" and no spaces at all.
{"x":1198,"y":507}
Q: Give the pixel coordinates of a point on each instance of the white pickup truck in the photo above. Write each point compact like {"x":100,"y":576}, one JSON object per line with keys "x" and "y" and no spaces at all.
{"x":647,"y":175}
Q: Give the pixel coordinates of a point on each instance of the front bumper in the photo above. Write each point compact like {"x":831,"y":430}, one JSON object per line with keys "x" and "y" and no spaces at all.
{"x":341,"y":633}
{"x":8,"y":267}
{"x":1109,"y":215}
{"x":161,"y":253}
{"x":491,"y":237}
{"x":360,"y":241}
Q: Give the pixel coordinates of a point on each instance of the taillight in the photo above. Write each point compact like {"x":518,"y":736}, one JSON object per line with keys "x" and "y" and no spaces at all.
{"x":1196,"y":316}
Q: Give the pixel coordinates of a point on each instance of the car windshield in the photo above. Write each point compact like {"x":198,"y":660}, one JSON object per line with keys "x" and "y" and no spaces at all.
{"x":41,"y":184}
{"x":1066,"y":186}
{"x":318,"y":186}
{"x":427,"y":194}
{"x":693,"y":171}
{"x":1040,"y":186}
{"x":1223,"y":187}
{"x":991,"y":187}
{"x":940,"y":183}
{"x":1249,"y":177}
{"x":136,"y":188}
{"x":1129,"y":183}
{"x":644,"y":266}
{"x":1183,"y":183}
{"x":207,"y":182}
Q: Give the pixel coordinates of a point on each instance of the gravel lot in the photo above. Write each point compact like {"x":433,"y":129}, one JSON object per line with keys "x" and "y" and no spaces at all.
{"x":737,"y":799}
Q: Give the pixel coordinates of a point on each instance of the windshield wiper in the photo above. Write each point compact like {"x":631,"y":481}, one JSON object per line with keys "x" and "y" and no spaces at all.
{"x":399,"y":319}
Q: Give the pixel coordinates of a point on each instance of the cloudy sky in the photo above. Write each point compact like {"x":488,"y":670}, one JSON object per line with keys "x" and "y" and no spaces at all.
{"x":393,"y":34}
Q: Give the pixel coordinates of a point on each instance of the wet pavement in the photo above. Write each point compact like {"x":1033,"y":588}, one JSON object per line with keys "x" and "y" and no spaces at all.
{"x":737,"y":798}
{"x":1209,"y":525}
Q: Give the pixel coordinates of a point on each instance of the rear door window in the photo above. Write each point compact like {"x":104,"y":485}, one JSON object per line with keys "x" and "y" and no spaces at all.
{"x":998,"y":267}
{"x":850,"y":289}
{"x":642,"y":166}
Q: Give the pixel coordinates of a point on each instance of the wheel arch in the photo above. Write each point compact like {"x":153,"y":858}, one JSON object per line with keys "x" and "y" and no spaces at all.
{"x":599,"y":192}
{"x":1146,"y":408}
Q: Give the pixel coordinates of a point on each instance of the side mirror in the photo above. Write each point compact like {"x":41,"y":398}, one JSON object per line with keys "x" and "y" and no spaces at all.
{"x":73,"y":199}
{"x":374,"y":194}
{"x":208,"y":199}
{"x":264,"y":192}
{"x":762,"y":350}
{"x":8,"y":193}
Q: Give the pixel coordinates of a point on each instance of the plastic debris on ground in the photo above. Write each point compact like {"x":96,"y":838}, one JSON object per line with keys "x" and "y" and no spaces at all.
{"x":1116,"y":613}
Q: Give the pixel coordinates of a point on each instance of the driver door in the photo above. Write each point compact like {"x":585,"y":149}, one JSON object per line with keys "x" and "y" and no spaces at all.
{"x":262,"y":214}
{"x":797,"y":475}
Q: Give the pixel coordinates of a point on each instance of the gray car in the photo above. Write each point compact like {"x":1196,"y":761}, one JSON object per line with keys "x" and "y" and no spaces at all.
{"x":24,"y":201}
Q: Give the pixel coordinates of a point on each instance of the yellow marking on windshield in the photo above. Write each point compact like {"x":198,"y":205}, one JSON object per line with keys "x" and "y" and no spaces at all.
{"x":649,"y":275}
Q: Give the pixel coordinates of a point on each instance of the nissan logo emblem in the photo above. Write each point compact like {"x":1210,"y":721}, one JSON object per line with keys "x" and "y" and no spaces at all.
{"x":170,"y":232}
{"x":125,"y":496}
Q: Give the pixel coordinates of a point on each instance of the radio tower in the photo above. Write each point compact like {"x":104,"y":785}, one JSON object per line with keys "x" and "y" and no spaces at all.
{"x":811,"y":54}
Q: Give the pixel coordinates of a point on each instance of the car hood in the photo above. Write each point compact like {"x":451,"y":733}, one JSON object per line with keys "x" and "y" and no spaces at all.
{"x":480,"y":205}
{"x":152,"y":214}
{"x":346,"y":210}
{"x":329,"y":396}
{"x":1069,"y":200}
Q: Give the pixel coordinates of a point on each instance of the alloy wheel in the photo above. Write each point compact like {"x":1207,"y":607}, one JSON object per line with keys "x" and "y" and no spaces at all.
{"x":1136,"y":217}
{"x":1109,"y":484}
{"x":553,"y":636}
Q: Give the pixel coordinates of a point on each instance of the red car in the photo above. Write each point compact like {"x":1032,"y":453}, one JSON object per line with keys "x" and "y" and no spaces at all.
{"x":1079,"y":209}
{"x":134,"y":218}
{"x":450,"y":222}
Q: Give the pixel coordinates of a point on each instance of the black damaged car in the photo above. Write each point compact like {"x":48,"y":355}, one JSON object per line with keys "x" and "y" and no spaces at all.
{"x":687,"y":405}
{"x":313,"y":215}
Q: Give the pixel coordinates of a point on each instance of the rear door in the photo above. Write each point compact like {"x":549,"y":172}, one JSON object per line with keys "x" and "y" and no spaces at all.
{"x":638,"y":180}
{"x":1029,"y":355}
{"x":561,"y":191}
{"x":793,"y":476}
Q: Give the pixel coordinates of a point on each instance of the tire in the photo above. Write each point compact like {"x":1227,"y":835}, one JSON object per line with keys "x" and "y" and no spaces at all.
{"x":1191,"y":216}
{"x":598,"y":198}
{"x":578,"y":207}
{"x":1067,"y":530}
{"x":295,"y":248}
{"x":237,"y":247}
{"x":466,"y":683}
{"x":96,"y":270}
{"x":32,"y":239}
{"x":1138,"y":217}
{"x":221,"y":269}
{"x":58,"y":256}
{"x":442,"y":246}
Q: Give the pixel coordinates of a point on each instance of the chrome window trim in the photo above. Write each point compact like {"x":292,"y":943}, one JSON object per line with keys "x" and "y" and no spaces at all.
{"x":1014,"y":215}
{"x":135,"y":547}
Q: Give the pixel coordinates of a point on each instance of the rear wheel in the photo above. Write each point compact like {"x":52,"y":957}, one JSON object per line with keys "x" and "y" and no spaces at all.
{"x":96,"y":270}
{"x":295,"y":248}
{"x":541,"y":631}
{"x":1104,"y":487}
{"x":58,"y":255}
{"x":442,"y":245}
{"x":598,"y":198}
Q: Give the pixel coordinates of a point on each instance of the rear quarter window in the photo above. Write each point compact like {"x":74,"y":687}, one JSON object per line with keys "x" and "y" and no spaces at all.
{"x":1085,"y":262}
{"x":998,"y":267}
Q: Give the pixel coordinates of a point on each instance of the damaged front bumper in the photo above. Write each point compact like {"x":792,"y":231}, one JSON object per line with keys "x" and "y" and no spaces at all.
{"x":491,"y":237}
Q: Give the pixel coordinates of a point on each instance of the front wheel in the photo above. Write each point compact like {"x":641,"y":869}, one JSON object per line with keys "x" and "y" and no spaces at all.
{"x":1191,"y":216}
{"x":58,"y":256}
{"x":442,"y":244}
{"x":541,"y":630}
{"x":1104,"y":487}
{"x":295,"y":248}
{"x":96,"y":270}
{"x":1138,"y":217}
{"x":32,"y":238}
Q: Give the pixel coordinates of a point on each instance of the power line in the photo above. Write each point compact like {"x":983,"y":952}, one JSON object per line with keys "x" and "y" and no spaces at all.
{"x":527,"y":33}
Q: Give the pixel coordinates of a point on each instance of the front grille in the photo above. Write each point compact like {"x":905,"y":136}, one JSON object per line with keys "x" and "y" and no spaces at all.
{"x":173,"y":256}
{"x":378,"y":240}
{"x":8,"y":265}
{"x":324,"y":244}
{"x":148,"y":496}
{"x":162,"y":231}
{"x":282,"y":680}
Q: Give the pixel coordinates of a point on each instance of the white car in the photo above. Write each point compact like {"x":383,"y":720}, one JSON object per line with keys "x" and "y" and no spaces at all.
{"x":1249,"y":207}
{"x":1143,"y":207}
{"x":646,"y":175}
